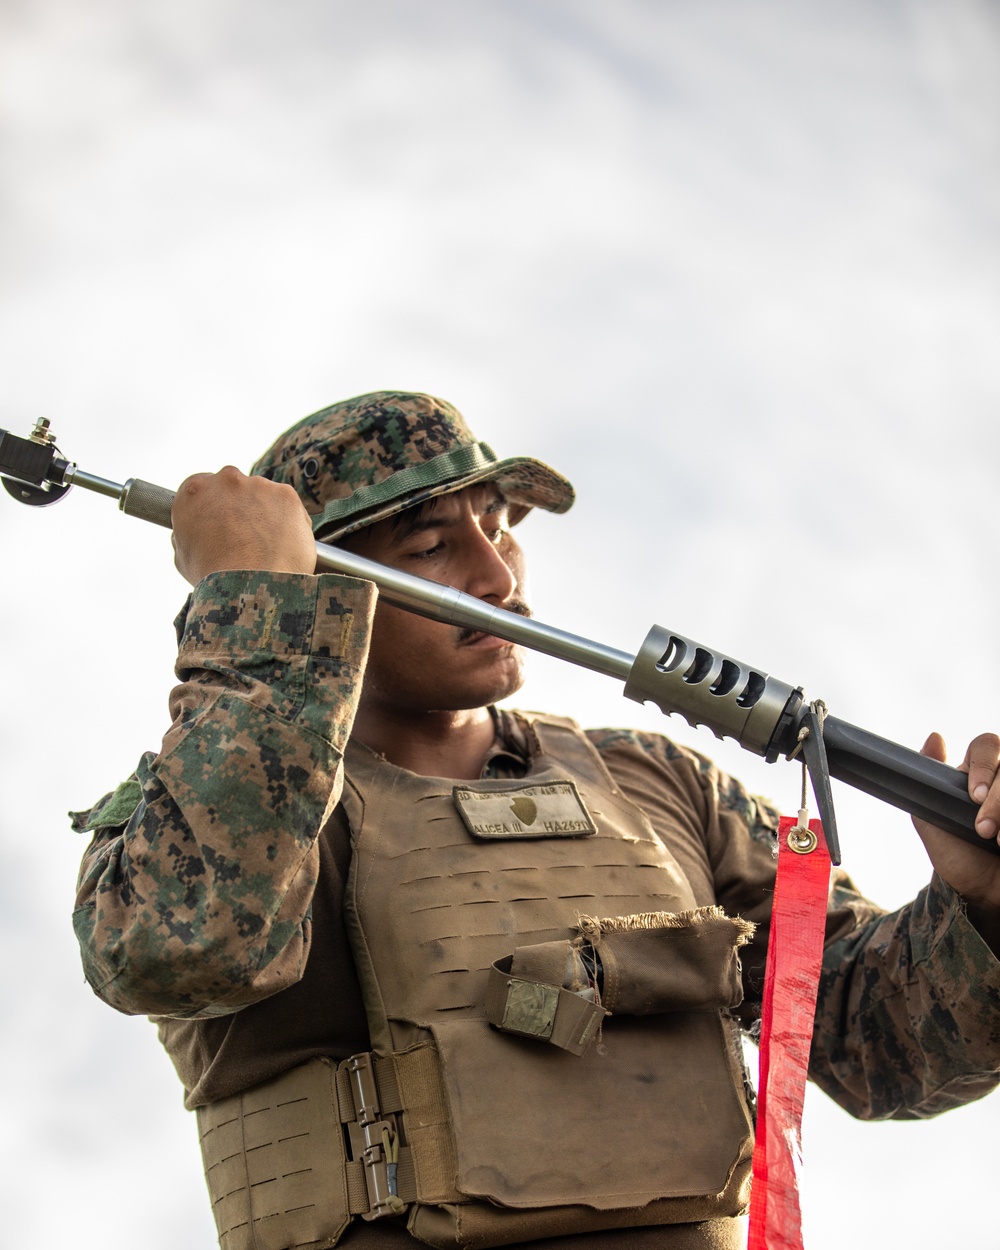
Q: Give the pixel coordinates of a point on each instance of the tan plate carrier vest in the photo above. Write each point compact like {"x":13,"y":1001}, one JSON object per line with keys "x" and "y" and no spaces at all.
{"x":482,"y":1137}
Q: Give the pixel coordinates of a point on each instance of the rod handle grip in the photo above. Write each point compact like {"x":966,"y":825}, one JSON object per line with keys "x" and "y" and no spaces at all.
{"x":147,"y":501}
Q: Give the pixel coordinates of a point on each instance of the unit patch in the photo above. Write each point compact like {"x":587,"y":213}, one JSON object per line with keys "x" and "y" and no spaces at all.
{"x":554,"y":810}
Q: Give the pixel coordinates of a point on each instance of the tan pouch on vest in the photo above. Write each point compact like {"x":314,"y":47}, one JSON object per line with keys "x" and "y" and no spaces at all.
{"x":664,"y":962}
{"x":672,"y":1070}
{"x":649,"y":963}
{"x":515,"y":1169}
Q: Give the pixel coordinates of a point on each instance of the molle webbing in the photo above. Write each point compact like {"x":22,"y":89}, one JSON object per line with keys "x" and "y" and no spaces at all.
{"x":431,"y":908}
{"x":280,"y":1172}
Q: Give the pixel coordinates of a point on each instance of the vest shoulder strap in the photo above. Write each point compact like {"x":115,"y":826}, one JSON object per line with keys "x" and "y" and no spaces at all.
{"x":563,"y":739}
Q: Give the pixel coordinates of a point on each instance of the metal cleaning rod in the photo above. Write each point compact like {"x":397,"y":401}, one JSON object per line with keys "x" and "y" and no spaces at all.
{"x":443,"y":603}
{"x":730,"y":698}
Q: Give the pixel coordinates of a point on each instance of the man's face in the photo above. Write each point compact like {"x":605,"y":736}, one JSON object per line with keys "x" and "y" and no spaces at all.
{"x":416,"y":665}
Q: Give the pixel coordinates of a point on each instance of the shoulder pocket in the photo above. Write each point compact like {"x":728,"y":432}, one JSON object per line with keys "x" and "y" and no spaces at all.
{"x":114,"y":809}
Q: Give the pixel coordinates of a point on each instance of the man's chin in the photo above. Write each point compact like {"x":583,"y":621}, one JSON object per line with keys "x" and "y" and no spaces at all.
{"x":512,"y":683}
{"x":486,"y":693}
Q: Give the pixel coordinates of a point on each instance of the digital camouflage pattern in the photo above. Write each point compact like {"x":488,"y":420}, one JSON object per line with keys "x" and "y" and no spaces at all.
{"x":196,"y":893}
{"x":370,"y":457}
{"x":924,"y":966}
{"x":200,"y":902}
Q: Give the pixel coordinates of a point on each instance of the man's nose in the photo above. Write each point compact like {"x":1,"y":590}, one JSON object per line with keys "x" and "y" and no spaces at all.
{"x":491,"y":577}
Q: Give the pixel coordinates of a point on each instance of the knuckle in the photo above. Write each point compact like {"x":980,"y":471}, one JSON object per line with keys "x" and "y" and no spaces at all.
{"x":288,"y":492}
{"x":984,"y":750}
{"x":193,"y":484}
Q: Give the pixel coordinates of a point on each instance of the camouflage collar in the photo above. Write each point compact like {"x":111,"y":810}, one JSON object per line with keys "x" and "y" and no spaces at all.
{"x":513,"y":747}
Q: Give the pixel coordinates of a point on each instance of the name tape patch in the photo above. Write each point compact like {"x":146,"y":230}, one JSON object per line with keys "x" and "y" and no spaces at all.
{"x":554,"y":810}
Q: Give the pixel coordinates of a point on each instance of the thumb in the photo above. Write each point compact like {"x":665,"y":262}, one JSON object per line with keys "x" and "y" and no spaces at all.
{"x":933,"y":748}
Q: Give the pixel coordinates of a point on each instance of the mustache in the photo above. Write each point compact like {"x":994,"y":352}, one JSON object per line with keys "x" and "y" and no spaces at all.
{"x":517,"y":606}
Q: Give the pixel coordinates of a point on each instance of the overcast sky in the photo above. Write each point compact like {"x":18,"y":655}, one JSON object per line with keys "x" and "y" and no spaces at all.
{"x":732,"y":266}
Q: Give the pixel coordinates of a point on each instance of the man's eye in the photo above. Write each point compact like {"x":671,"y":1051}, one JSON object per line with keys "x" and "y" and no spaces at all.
{"x":427,"y":553}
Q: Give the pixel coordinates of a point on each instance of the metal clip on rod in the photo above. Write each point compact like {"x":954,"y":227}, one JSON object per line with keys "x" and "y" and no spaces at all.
{"x":818,"y":766}
{"x":676,"y":673}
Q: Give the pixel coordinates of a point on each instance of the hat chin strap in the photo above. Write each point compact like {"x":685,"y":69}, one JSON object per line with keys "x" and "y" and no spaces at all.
{"x":450,"y":467}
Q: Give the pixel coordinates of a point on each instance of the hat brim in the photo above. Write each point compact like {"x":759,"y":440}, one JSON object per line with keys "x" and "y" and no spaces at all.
{"x":524,"y":482}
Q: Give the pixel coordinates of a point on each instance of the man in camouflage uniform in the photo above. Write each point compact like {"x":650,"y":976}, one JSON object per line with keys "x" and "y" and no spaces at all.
{"x":217,"y":894}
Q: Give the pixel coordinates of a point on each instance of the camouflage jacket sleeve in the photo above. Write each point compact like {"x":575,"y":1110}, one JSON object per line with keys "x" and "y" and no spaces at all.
{"x":908,"y":1014}
{"x":194,"y":895}
{"x":908,"y":1020}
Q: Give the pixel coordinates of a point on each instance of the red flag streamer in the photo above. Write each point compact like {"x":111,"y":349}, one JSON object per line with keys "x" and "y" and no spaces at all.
{"x":794,"y":957}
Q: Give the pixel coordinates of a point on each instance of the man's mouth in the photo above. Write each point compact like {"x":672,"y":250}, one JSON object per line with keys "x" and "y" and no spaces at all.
{"x":468,"y":636}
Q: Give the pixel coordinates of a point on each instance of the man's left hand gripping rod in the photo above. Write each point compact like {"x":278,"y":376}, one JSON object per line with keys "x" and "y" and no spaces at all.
{"x":35,"y":473}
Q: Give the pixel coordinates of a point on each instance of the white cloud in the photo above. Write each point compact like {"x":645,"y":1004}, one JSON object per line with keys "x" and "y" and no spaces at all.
{"x":732,"y":267}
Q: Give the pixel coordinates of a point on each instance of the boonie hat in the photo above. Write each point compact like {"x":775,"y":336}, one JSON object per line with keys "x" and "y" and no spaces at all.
{"x":370,"y":457}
